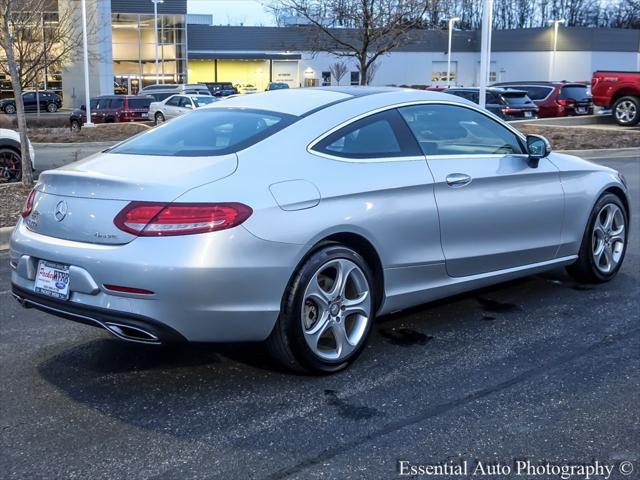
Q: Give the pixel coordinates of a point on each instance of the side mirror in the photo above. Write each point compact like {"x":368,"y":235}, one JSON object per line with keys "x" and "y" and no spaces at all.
{"x":537,"y":147}
{"x":189,"y":106}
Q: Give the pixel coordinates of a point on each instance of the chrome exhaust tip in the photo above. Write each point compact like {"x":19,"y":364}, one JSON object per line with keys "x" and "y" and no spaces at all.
{"x":130,"y":333}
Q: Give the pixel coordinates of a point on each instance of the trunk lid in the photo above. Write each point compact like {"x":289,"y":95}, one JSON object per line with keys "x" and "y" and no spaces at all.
{"x":80,"y":201}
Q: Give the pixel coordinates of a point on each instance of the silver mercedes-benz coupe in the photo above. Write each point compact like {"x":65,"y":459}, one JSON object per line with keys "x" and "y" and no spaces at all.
{"x":298,"y":216}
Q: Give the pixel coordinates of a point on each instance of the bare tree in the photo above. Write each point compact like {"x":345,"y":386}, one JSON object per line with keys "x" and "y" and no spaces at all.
{"x":371,"y":72}
{"x":374,"y":27}
{"x":338,"y":71}
{"x":33,"y":37}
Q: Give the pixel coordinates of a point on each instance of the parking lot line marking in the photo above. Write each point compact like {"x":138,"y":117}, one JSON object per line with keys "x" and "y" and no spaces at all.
{"x":4,"y":291}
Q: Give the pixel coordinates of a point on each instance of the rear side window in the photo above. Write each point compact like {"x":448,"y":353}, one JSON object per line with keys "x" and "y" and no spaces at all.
{"x":454,"y":130}
{"x":117,"y":103}
{"x":573,"y":92}
{"x":517,"y":99}
{"x":140,"y":102}
{"x":537,"y":93}
{"x":207,"y":132}
{"x":380,"y":135}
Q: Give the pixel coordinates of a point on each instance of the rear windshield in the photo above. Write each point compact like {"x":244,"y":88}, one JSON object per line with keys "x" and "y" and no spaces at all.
{"x":206,"y":132}
{"x":200,"y":101}
{"x":575,"y":92}
{"x":517,"y":98}
{"x":535,"y":92}
{"x":140,"y":102}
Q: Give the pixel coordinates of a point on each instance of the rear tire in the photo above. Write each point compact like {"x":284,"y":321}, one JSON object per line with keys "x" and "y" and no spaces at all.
{"x":327,"y":313}
{"x":10,"y":165}
{"x":159,"y":118}
{"x":604,"y":243}
{"x":52,"y":108}
{"x":626,"y":111}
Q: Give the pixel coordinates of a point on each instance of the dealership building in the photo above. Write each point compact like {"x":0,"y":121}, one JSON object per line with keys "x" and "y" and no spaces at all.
{"x":192,"y":49}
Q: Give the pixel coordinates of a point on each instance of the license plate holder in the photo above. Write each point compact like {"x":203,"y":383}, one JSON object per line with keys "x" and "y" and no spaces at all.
{"x":52,"y":280}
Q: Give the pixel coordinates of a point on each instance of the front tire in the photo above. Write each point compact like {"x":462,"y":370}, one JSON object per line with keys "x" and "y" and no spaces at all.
{"x":327,"y":313}
{"x":626,"y":111}
{"x":10,"y":109}
{"x":75,"y":126}
{"x":604,"y":243}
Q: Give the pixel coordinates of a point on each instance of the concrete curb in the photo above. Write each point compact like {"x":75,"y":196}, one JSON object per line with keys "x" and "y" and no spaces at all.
{"x":5,"y":234}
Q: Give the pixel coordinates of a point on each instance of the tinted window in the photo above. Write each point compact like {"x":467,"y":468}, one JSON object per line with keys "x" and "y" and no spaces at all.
{"x":376,"y":136}
{"x":575,"y":92}
{"x":102,"y":103}
{"x":140,"y":102}
{"x":29,"y":97}
{"x":517,"y":99}
{"x":533,"y":92}
{"x":493,"y":99}
{"x":117,"y":103}
{"x":173,"y":101}
{"x":451,"y":130}
{"x":210,"y":131}
{"x":185,"y":102}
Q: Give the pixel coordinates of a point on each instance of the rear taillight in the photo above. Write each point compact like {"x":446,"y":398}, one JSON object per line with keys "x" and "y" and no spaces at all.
{"x":148,"y":219}
{"x":566,"y":103}
{"x":27,"y":208}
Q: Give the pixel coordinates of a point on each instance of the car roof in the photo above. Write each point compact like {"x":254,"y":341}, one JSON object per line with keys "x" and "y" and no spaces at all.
{"x":489,"y":89}
{"x":542,"y":83}
{"x":306,"y":101}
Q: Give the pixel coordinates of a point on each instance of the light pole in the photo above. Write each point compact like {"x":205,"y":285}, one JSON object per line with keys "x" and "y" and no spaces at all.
{"x":552,"y":59}
{"x":85,"y":47}
{"x":451,"y":21}
{"x":485,"y":50}
{"x":155,"y":32}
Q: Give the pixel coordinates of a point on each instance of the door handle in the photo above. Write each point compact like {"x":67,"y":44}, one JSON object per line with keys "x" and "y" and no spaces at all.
{"x":457,"y":180}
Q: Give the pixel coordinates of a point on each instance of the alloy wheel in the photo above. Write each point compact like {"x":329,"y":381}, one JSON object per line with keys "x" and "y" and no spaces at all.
{"x":626,"y":111}
{"x":10,"y":166}
{"x":608,"y":238}
{"x":52,"y":108}
{"x":10,"y":109}
{"x":336,"y":309}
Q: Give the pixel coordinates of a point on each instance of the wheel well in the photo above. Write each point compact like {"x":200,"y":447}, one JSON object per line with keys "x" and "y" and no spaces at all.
{"x":618,"y":192}
{"x":364,"y":247}
{"x":624,"y":92}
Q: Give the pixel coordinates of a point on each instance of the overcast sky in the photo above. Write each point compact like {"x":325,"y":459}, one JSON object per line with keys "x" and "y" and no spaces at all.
{"x":233,"y":12}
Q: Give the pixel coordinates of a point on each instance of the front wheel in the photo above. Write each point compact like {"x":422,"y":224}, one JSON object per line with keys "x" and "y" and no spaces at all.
{"x":327,"y":313}
{"x":626,"y":111}
{"x":10,"y":109}
{"x":75,"y":126}
{"x":604,"y":243}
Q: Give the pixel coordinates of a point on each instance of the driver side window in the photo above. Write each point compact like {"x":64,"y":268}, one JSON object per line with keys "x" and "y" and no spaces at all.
{"x":454,"y":130}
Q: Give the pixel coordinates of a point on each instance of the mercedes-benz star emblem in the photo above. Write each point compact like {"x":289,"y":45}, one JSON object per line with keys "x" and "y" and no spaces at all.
{"x":61,"y":210}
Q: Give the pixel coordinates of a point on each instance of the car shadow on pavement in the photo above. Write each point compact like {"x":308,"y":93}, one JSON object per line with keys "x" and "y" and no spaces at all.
{"x":163,"y":387}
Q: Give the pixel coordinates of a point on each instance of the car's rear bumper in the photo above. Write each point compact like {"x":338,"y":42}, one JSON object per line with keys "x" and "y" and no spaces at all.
{"x":217,"y":287}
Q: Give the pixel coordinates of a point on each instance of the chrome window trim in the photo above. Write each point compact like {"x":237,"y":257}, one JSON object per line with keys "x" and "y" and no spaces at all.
{"x":486,"y":113}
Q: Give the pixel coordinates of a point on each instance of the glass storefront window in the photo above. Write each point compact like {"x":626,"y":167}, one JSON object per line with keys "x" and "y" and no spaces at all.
{"x":134,"y":49}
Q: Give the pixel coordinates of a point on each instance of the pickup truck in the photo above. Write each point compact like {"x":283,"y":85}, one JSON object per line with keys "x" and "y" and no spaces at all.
{"x":619,"y":91}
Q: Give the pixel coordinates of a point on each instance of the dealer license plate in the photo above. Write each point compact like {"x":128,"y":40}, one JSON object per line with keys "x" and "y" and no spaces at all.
{"x":52,"y":280}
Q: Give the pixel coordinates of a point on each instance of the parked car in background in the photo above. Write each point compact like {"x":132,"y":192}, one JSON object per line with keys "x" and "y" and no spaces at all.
{"x":176,"y":105}
{"x":245,"y":88}
{"x":11,"y":156}
{"x":220,"y":89}
{"x":556,"y":99}
{"x":49,"y":102}
{"x":276,"y":86}
{"x":161,"y":92}
{"x":619,"y":91}
{"x":506,"y":104}
{"x":112,"y":109}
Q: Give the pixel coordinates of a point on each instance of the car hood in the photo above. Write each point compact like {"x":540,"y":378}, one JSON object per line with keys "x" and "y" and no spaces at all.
{"x":135,"y":177}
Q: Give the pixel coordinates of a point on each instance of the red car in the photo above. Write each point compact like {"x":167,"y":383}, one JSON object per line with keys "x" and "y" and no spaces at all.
{"x":619,"y":91}
{"x":111,"y":109}
{"x":556,"y":99}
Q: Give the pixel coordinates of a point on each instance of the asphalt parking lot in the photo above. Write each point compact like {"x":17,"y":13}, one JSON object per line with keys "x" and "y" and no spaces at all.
{"x":541,"y":369}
